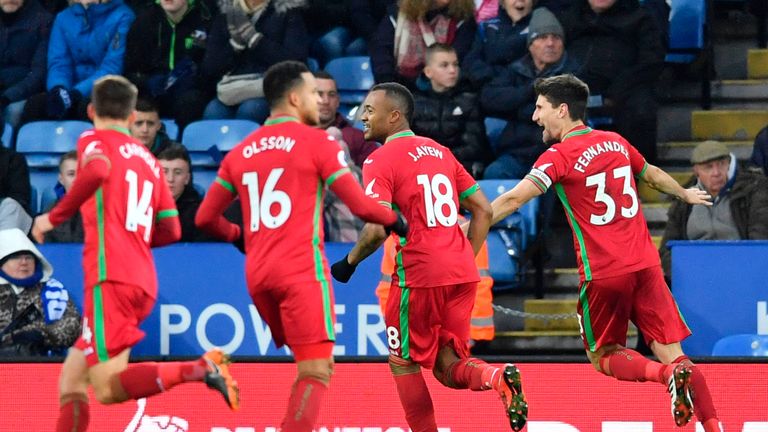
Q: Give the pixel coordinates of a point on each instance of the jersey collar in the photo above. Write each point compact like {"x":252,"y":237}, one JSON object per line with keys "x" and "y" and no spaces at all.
{"x":405,"y":133}
{"x":578,"y":130}
{"x":120,"y":129}
{"x":280,"y":119}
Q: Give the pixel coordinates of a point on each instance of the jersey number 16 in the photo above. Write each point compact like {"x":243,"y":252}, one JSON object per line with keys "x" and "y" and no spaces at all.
{"x":261,"y":202}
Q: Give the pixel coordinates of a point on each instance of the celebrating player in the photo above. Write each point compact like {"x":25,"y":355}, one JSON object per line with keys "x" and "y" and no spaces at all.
{"x":126,"y":209}
{"x":435,"y":277}
{"x":279,"y":173}
{"x":593,"y":172}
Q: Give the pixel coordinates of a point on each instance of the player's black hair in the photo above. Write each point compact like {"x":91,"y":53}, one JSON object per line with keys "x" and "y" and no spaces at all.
{"x":399,"y":95}
{"x":114,"y":97}
{"x":565,"y":89}
{"x":321,"y":74}
{"x":281,"y":78}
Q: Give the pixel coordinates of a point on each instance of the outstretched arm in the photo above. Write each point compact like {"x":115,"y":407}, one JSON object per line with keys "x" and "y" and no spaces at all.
{"x":661,"y":181}
{"x":510,"y":201}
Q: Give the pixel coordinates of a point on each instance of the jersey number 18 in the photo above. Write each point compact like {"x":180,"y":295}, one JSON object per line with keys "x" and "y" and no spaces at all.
{"x":436,"y":201}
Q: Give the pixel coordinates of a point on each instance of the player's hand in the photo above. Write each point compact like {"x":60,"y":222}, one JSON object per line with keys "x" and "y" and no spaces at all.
{"x":399,"y":227}
{"x":41,"y":226}
{"x":697,"y":196}
{"x":342,"y":270}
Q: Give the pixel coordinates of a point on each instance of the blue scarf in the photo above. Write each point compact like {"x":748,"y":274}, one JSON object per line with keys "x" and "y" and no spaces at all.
{"x":28,"y":281}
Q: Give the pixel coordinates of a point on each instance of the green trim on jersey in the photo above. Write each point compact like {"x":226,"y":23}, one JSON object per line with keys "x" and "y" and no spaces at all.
{"x":162,"y":214}
{"x":576,"y":230}
{"x":542,"y":187}
{"x":98,"y":325}
{"x":576,"y":133}
{"x":588,"y":333}
{"x":319,"y":268}
{"x":120,"y":129}
{"x":386,"y":204}
{"x":332,"y":178}
{"x":227,"y":185}
{"x":102,"y":241}
{"x":405,"y":332}
{"x":280,"y":119}
{"x":399,"y":260}
{"x":642,"y":171}
{"x":405,"y":133}
{"x":474,"y":188}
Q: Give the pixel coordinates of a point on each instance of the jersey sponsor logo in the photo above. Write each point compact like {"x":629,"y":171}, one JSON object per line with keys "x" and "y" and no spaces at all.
{"x":424,"y":150}
{"x":342,"y":156}
{"x":268,"y":143}
{"x":596,"y":150}
{"x":540,"y":175}
{"x":129,"y":150}
{"x":367,"y":161}
{"x":369,"y":190}
{"x":92,"y":148}
{"x":87,"y":334}
{"x":543,"y":167}
{"x":553,"y":150}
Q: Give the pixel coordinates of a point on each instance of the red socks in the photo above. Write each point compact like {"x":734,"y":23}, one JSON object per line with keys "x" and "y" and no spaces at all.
{"x":73,"y":413}
{"x":474,"y":374}
{"x":146,"y":379}
{"x":703,"y":406}
{"x":304,"y":405}
{"x":629,"y":365}
{"x":416,"y":402}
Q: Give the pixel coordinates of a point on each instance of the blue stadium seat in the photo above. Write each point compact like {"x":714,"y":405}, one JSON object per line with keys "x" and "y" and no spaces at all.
{"x":8,"y":136}
{"x":43,"y":142}
{"x":353,"y":76}
{"x":493,"y":128}
{"x":510,"y":237}
{"x":687,"y":30}
{"x":171,"y":128}
{"x":528,"y":214}
{"x":202,"y":179}
{"x":43,"y":183}
{"x":206,"y":140}
{"x":742,"y":345}
{"x":313,"y":64}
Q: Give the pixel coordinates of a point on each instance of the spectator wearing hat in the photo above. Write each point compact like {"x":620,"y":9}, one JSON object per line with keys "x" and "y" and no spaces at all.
{"x":37,"y":316}
{"x":510,"y":96}
{"x":739,"y":196}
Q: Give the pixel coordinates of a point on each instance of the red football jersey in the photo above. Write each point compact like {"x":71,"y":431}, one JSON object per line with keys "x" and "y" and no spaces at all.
{"x":425,"y":182}
{"x":593,"y":173}
{"x":119,"y":218}
{"x":280,"y":171}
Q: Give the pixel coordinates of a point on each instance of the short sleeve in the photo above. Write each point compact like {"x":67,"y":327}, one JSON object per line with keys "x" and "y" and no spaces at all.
{"x":636,"y":160}
{"x":330,"y":158}
{"x":167,"y":206}
{"x":224,"y":176}
{"x":465,"y":183}
{"x":377,"y":178}
{"x":549,"y":168}
{"x":88,"y":146}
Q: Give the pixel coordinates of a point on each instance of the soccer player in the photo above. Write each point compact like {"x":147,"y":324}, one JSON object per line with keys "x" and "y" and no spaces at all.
{"x":593,"y":172}
{"x":279,"y":172}
{"x":435,"y":277}
{"x":126,"y":209}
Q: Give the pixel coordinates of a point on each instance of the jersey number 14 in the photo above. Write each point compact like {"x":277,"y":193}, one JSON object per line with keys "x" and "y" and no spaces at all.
{"x":139,"y":211}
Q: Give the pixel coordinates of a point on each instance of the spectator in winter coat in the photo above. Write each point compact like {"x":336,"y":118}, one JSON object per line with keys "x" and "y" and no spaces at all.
{"x":740,"y":202}
{"x":87,"y":42}
{"x":71,"y":230}
{"x":248,"y":37}
{"x":401,"y":40}
{"x":166,"y":45}
{"x":510,"y":96}
{"x":25,"y":27}
{"x":448,"y":114}
{"x":499,"y":41}
{"x":43,"y":319}
{"x":619,"y":48}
